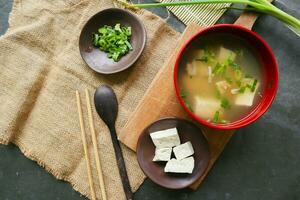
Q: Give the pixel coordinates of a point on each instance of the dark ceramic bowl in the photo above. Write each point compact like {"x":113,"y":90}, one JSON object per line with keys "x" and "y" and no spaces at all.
{"x":155,"y":170}
{"x":98,"y":60}
{"x":269,"y":70}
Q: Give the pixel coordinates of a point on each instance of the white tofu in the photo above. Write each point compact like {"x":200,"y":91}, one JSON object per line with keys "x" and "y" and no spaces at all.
{"x":205,"y":107}
{"x":224,"y":54}
{"x":191,"y":69}
{"x":183,"y":151}
{"x":222,"y":86}
{"x":185,"y":165}
{"x":165,"y":138}
{"x":246,"y":98}
{"x":163,"y":154}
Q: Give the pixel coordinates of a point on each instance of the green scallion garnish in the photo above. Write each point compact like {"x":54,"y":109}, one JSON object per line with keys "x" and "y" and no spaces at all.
{"x":216,"y":117}
{"x":242,"y":89}
{"x":183,"y":93}
{"x":254,"y":85}
{"x":219,"y":69}
{"x":225,"y":103}
{"x":113,"y":40}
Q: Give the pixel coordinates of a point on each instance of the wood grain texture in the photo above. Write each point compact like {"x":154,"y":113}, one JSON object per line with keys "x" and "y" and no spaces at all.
{"x":247,"y":19}
{"x":160,"y":101}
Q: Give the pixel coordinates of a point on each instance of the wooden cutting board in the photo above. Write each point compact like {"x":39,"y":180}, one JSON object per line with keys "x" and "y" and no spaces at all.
{"x":160,"y":101}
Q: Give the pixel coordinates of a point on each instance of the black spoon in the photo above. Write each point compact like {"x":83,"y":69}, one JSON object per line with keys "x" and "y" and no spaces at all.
{"x":107,"y":108}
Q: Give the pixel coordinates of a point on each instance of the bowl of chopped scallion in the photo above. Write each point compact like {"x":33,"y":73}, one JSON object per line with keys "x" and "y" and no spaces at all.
{"x":112,"y":40}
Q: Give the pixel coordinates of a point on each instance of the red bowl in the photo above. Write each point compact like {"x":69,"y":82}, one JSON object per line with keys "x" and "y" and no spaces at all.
{"x":268,"y":63}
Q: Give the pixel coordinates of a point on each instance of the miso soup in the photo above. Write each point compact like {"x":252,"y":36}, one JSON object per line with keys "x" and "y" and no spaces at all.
{"x":220,"y":78}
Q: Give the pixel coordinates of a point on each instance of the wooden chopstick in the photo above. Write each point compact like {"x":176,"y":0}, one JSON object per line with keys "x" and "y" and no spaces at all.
{"x":87,"y":159}
{"x":94,"y":141}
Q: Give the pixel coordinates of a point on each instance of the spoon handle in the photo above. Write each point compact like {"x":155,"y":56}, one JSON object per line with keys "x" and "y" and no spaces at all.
{"x":121,"y":164}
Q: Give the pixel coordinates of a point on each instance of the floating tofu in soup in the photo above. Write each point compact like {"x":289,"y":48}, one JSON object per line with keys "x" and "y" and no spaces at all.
{"x":202,"y":68}
{"x":185,"y":165}
{"x":165,"y":138}
{"x":225,"y":54}
{"x":183,"y":151}
{"x":163,"y":154}
{"x":191,"y":69}
{"x":247,"y":97}
{"x":205,"y":107}
{"x":197,"y":68}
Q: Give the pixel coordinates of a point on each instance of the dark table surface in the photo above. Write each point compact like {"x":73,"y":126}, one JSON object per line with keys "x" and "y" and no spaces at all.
{"x":262,"y":161}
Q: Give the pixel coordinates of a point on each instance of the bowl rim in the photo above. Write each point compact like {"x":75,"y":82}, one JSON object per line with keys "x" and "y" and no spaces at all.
{"x":143,"y":33}
{"x":179,"y":119}
{"x":249,"y":118}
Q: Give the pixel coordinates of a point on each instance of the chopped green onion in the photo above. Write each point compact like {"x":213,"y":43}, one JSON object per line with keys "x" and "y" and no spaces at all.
{"x":95,"y":39}
{"x":219,"y":69}
{"x":242,"y":89}
{"x":207,"y":57}
{"x":254,"y":85}
{"x":216,"y":117}
{"x":188,"y":106}
{"x":128,"y":45}
{"x":183,"y":93}
{"x":225,"y":103}
{"x":115,"y":41}
{"x":233,"y":65}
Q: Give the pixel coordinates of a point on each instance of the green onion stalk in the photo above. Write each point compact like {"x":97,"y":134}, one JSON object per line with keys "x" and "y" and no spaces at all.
{"x":261,"y":6}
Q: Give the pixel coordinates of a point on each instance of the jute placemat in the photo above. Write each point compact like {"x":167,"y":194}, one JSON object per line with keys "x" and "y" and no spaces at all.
{"x":40,"y":70}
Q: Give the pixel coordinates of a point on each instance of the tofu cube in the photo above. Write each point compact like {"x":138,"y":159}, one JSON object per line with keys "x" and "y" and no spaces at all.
{"x":165,"y":138}
{"x":185,"y":165}
{"x":205,"y":107}
{"x":246,"y":98}
{"x":183,"y":151}
{"x":191,"y":69}
{"x":201,"y":68}
{"x":163,"y":154}
{"x":224,"y":54}
{"x":222,"y":86}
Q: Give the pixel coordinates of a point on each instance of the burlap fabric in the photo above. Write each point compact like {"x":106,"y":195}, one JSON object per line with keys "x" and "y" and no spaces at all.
{"x":40,"y":69}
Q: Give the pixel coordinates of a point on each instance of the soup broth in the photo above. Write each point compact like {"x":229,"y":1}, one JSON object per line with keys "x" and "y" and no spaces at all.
{"x":220,"y":78}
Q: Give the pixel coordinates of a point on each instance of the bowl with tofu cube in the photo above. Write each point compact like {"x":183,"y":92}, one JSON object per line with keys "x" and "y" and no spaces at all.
{"x":226,"y":77}
{"x":173,"y":152}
